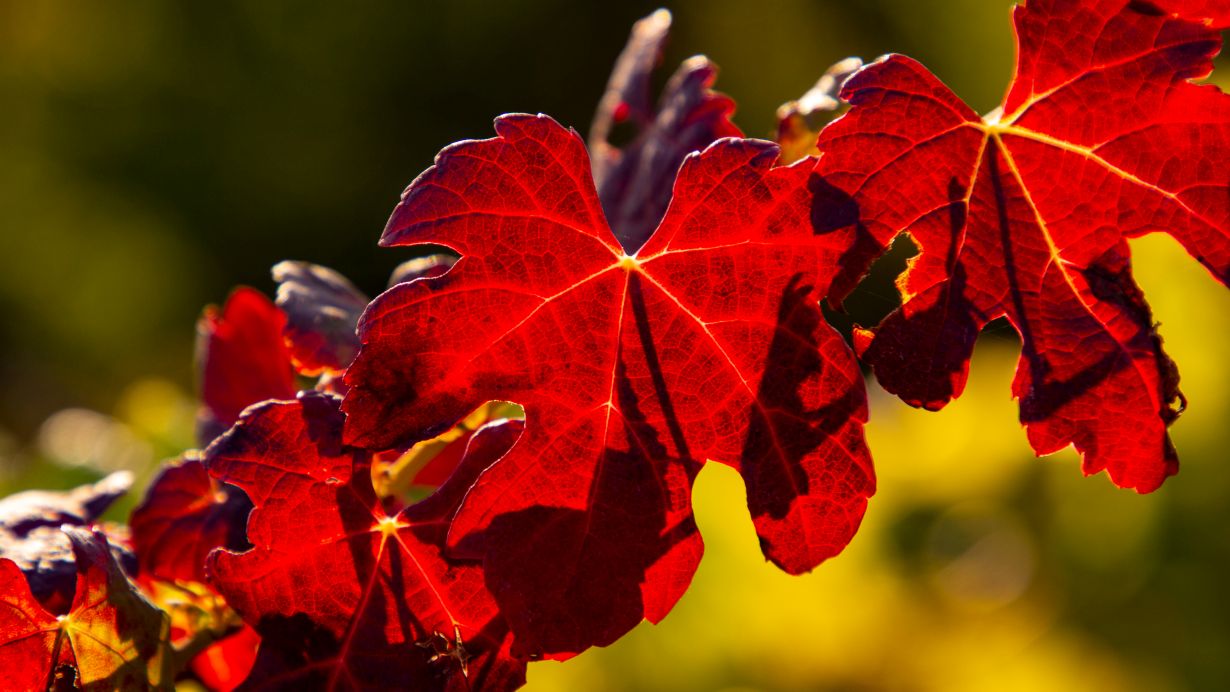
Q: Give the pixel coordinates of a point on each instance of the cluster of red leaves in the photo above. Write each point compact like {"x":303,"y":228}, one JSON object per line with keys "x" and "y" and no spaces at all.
{"x":651,"y":308}
{"x":111,"y":638}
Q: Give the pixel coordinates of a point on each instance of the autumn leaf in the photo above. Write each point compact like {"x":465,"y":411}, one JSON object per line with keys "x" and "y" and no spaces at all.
{"x":707,"y":343}
{"x":112,"y":638}
{"x":634,"y":181}
{"x":242,"y":359}
{"x":1216,"y":12}
{"x":1025,"y":214}
{"x":184,"y":516}
{"x":225,"y":665}
{"x":31,"y":535}
{"x":28,"y":633}
{"x":322,"y":308}
{"x":343,"y":594}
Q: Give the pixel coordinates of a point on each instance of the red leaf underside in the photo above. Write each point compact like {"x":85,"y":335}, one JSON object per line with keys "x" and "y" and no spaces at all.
{"x":322,"y":308}
{"x":634,"y":181}
{"x":31,"y":535}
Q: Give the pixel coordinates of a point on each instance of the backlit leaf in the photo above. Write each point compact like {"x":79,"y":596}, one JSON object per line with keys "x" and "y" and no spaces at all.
{"x":707,"y":343}
{"x":1025,"y":214}
{"x":185,"y":515}
{"x":427,"y":464}
{"x":343,"y":594}
{"x":111,"y":639}
{"x":242,"y":359}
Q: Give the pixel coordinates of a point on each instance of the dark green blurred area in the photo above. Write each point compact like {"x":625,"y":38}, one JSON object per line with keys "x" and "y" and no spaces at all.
{"x":157,"y":154}
{"x":154,"y":155}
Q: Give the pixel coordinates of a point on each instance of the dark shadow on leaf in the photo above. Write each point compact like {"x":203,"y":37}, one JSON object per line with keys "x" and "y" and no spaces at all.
{"x":1146,"y":8}
{"x":291,"y":647}
{"x":627,"y":397}
{"x":783,"y":429}
{"x":922,"y":357}
{"x":1046,"y":394}
{"x":577,"y":576}
{"x":63,"y":678}
{"x":487,"y":668}
{"x":833,"y":210}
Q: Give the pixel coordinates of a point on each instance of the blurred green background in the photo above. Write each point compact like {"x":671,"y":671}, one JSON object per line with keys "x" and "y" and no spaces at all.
{"x":153,"y":155}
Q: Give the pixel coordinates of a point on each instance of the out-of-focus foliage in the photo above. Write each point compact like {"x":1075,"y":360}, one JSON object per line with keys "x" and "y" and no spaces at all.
{"x":155,"y":155}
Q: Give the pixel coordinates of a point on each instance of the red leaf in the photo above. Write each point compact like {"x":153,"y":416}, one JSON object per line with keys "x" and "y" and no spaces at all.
{"x":184,"y":516}
{"x":1025,"y":214}
{"x":322,"y":309}
{"x":634,"y":183}
{"x":224,"y":665}
{"x":111,"y":639}
{"x":31,"y":535}
{"x":343,"y":595}
{"x":205,"y":634}
{"x":242,"y":358}
{"x":426,"y":465}
{"x":27,"y":632}
{"x":708,"y":344}
{"x":1216,"y":12}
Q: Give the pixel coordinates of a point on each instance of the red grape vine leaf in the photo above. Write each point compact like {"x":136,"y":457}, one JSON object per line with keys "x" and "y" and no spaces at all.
{"x":185,"y":515}
{"x":708,"y":343}
{"x":112,"y":638}
{"x":1216,"y":12}
{"x":322,"y":309}
{"x":242,"y":358}
{"x":226,"y":664}
{"x":1025,"y":214}
{"x":343,"y":594}
{"x":634,"y":182}
{"x":31,"y":535}
{"x":205,"y":634}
